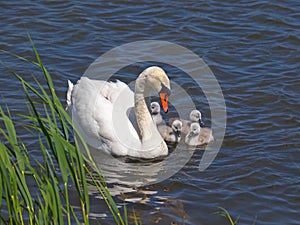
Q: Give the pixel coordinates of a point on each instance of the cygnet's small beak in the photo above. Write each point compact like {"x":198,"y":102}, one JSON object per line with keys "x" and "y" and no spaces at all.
{"x":191,"y":133}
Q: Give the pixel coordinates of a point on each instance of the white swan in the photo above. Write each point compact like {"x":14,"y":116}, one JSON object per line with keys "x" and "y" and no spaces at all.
{"x":198,"y":136}
{"x":99,"y":112}
{"x":155,"y":113}
{"x":171,"y":134}
{"x":195,"y":116}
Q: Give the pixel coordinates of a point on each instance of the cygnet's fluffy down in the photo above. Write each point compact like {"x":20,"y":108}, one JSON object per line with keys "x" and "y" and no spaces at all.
{"x":170,"y":134}
{"x":198,"y":135}
{"x":155,"y":113}
{"x":195,"y":116}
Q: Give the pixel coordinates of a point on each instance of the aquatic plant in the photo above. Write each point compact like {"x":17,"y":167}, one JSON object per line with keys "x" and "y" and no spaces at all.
{"x":224,"y":212}
{"x":36,"y":191}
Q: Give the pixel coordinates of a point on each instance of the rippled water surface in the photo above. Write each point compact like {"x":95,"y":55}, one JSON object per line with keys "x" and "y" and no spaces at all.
{"x":252,"y":49}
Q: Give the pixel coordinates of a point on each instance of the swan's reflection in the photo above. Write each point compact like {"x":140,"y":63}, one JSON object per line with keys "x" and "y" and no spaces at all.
{"x":136,"y":173}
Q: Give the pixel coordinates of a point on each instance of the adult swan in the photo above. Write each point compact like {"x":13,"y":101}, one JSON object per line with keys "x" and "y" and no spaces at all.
{"x":100,"y":112}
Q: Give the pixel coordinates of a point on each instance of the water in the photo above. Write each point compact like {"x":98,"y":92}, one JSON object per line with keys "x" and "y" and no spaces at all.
{"x":252,"y":49}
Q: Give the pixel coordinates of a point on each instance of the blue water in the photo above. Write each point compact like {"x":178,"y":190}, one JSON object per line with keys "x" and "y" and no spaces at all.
{"x":252,"y":49}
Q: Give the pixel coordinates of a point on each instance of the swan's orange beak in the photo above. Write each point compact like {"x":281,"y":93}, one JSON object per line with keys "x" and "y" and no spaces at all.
{"x":164,"y":101}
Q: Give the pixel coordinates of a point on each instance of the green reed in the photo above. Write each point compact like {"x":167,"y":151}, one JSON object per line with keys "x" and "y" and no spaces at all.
{"x":45,"y":199}
{"x":224,"y":212}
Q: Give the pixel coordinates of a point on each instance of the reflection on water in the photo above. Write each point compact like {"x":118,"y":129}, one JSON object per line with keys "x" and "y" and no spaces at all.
{"x":131,"y":173}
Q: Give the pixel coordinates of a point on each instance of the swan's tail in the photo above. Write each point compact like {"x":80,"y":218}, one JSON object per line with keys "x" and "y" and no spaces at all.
{"x":69,"y":94}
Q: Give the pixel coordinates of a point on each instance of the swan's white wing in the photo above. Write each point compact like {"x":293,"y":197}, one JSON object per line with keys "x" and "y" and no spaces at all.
{"x":95,"y":105}
{"x":69,"y":93}
{"x":85,"y":97}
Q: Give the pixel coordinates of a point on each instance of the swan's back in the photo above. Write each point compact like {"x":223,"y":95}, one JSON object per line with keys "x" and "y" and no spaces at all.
{"x":92,"y":110}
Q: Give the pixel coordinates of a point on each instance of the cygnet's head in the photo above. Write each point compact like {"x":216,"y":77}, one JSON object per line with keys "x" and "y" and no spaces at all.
{"x":196,"y":116}
{"x":194,"y":129}
{"x":176,"y":127}
{"x":155,"y":108}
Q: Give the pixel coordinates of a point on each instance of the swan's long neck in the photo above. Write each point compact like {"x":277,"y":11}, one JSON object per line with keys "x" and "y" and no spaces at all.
{"x":142,"y":113}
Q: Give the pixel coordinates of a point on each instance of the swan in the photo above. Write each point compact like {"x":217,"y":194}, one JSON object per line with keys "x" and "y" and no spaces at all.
{"x":171,"y":134}
{"x":195,"y":116}
{"x":155,"y":113}
{"x":100,"y":113}
{"x":198,"y":136}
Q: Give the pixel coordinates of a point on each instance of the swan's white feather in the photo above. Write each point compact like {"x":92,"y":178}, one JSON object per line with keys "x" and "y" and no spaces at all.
{"x":69,"y":94}
{"x":88,"y":97}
